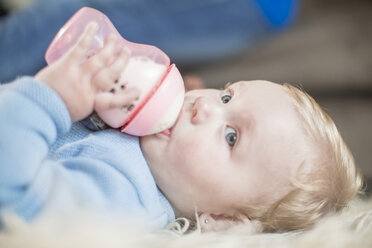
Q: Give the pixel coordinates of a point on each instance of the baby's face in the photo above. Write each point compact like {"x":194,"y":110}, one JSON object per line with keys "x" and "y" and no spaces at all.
{"x":229,"y":148}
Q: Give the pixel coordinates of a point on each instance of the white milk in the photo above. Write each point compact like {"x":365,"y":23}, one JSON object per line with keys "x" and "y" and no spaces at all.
{"x":170,"y":116}
{"x":141,"y":73}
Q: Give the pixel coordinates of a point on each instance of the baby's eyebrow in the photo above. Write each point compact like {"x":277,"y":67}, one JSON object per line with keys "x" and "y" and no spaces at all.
{"x":226,"y":85}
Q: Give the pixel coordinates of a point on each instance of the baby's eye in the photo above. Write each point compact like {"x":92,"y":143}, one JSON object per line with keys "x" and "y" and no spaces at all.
{"x":226,"y":97}
{"x":230,"y":136}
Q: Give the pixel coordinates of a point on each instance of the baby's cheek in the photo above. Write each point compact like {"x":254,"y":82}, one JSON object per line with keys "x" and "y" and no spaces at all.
{"x":192,"y":158}
{"x":187,"y":145}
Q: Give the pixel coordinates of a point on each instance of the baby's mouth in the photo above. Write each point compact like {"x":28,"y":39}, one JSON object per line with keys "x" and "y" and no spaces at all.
{"x":165,"y":135}
{"x":166,"y":132}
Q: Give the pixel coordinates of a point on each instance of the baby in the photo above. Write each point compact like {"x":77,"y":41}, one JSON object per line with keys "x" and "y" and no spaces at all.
{"x":256,"y":153}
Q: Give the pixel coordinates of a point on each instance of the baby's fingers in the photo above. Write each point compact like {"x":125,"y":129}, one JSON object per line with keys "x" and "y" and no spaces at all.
{"x":109,"y":78}
{"x":126,"y":100}
{"x":103,"y":56}
{"x":81,"y":47}
{"x":120,"y":62}
{"x":107,"y":52}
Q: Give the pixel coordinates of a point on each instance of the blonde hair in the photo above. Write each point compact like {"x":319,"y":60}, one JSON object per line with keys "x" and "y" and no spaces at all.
{"x":327,"y":180}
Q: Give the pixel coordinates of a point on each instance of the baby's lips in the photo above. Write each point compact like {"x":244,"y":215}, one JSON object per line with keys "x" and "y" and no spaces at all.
{"x":166,"y":132}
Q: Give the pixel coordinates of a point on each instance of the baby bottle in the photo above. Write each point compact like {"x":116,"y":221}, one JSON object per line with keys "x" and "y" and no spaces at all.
{"x":149,"y":69}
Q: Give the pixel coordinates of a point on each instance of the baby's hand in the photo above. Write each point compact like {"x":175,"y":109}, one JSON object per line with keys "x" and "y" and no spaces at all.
{"x":86,"y":84}
{"x":113,"y":90}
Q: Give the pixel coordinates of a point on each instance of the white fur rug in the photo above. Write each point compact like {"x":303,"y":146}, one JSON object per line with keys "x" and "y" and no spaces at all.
{"x":352,"y":228}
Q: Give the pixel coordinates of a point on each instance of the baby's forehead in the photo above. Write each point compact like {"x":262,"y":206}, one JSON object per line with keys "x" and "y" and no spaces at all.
{"x":270,"y":94}
{"x":259,"y":84}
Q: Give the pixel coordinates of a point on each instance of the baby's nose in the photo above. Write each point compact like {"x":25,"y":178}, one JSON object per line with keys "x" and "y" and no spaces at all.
{"x":202,"y":110}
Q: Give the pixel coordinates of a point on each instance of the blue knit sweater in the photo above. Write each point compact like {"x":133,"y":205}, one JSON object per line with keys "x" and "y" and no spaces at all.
{"x":48,"y":166}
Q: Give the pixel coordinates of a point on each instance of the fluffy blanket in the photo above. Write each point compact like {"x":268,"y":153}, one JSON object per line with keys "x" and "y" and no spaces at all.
{"x":351,"y":228}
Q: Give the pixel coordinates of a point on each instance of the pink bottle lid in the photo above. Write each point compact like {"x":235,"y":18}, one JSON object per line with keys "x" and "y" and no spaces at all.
{"x":161,"y":84}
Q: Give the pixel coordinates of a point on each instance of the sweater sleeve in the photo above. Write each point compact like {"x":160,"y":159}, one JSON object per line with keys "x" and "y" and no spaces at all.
{"x":100,"y":171}
{"x":32,"y":115}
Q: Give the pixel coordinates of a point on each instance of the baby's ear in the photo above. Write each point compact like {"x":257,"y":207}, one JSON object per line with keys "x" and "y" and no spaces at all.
{"x":220,"y":222}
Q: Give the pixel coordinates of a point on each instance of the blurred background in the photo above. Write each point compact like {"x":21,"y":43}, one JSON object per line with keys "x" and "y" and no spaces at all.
{"x":326,"y":49}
